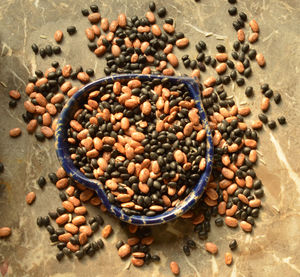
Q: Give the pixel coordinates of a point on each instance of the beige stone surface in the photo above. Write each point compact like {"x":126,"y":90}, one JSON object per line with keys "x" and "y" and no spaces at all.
{"x":272,"y":249}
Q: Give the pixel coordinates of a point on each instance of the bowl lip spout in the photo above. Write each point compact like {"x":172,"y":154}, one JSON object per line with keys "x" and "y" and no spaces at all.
{"x":65,"y":160}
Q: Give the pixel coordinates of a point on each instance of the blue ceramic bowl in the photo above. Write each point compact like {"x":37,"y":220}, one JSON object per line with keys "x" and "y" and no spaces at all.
{"x":64,"y":156}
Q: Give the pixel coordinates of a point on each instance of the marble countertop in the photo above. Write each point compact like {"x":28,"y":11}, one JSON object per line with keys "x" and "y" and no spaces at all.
{"x":272,"y":249}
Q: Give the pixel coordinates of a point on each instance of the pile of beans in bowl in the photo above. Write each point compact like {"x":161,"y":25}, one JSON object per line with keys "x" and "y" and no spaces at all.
{"x":143,"y":140}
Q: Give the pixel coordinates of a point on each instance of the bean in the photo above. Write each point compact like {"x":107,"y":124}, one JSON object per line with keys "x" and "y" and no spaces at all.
{"x":5,"y":232}
{"x":58,"y":36}
{"x":174,"y":268}
{"x":254,"y":26}
{"x":228,"y":258}
{"x":211,"y":248}
{"x":30,"y":198}
{"x":233,"y":244}
{"x":260,"y":59}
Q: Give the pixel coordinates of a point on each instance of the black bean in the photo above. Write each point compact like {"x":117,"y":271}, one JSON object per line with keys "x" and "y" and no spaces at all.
{"x":74,"y":240}
{"x":230,"y":64}
{"x":264,"y":87}
{"x":191,"y":244}
{"x":234,"y":55}
{"x":79,"y":254}
{"x":119,"y":244}
{"x":99,"y":219}
{"x":42,"y":52}
{"x":249,"y":91}
{"x":50,"y":229}
{"x":232,"y":11}
{"x":233,"y":75}
{"x":95,"y":226}
{"x":63,"y":196}
{"x":90,"y":71}
{"x":59,"y":255}
{"x":277,"y":98}
{"x":202,"y":44}
{"x":272,"y":124}
{"x":55,"y":64}
{"x":262,"y":117}
{"x":259,"y":193}
{"x":41,"y":182}
{"x":240,"y":81}
{"x":53,"y":178}
{"x":243,"y":16}
{"x":236,"y":25}
{"x":281,"y":120}
{"x":40,"y":221}
{"x":12,"y":103}
{"x":233,"y":244}
{"x":186,"y":250}
{"x":231,"y":1}
{"x":152,"y":6}
{"x":53,"y":215}
{"x":252,"y":54}
{"x":54,"y":237}
{"x":46,"y":220}
{"x":67,"y":251}
{"x":85,"y":12}
{"x":48,"y":50}
{"x":162,"y":12}
{"x":35,"y":48}
{"x":71,"y":30}
{"x":247,"y":72}
{"x":56,"y":49}
{"x":219,"y":221}
{"x":250,"y":220}
{"x":202,"y":235}
{"x":155,"y":258}
{"x":269,"y":93}
{"x":221,"y":48}
{"x":94,"y":8}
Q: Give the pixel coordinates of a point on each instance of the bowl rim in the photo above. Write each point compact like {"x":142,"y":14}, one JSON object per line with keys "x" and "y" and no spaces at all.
{"x":63,"y":155}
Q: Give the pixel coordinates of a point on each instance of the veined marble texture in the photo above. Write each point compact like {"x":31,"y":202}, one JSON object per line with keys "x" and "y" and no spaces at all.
{"x":272,"y":249}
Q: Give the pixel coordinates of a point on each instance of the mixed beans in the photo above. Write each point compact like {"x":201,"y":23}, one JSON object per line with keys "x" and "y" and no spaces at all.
{"x":143,"y":140}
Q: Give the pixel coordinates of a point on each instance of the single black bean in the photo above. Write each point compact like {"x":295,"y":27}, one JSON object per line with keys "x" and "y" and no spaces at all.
{"x":35,"y":48}
{"x":219,"y":221}
{"x":264,"y":88}
{"x":79,"y":254}
{"x":152,"y":6}
{"x":12,"y":103}
{"x":85,"y":12}
{"x":233,"y":244}
{"x":94,"y":8}
{"x":232,"y":11}
{"x":277,"y":98}
{"x":186,"y":250}
{"x":281,"y":120}
{"x":56,"y":49}
{"x":221,"y":48}
{"x":240,"y":81}
{"x":263,"y":118}
{"x":162,"y":12}
{"x":272,"y":124}
{"x":249,"y":91}
{"x":59,"y":255}
{"x":71,"y":30}
{"x":243,"y":16}
{"x":41,"y":181}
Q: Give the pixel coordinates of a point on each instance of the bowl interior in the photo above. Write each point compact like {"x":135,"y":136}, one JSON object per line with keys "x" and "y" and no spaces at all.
{"x":62,"y":151}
